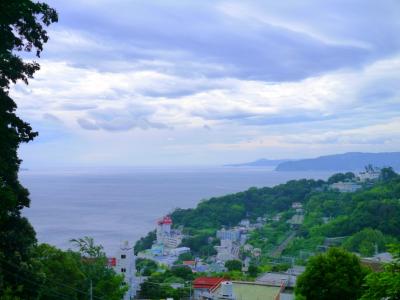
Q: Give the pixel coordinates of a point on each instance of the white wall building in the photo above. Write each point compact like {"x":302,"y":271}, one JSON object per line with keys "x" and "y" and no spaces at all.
{"x":163,"y":229}
{"x":369,"y":175}
{"x":229,"y":234}
{"x":124,"y":263}
{"x":345,"y":187}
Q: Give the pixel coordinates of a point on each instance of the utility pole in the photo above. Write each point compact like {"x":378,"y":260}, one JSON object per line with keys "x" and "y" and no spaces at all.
{"x":91,"y":290}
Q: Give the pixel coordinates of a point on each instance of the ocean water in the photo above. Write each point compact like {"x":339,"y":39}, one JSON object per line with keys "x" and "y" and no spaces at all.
{"x":114,"y":205}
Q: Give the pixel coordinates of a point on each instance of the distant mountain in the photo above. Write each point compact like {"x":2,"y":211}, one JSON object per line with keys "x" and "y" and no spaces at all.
{"x":260,"y":163}
{"x":351,"y":161}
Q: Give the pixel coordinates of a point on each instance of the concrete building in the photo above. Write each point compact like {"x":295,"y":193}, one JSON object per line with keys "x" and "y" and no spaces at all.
{"x":166,"y":236}
{"x":345,"y":187}
{"x":245,"y":223}
{"x":227,"y":250}
{"x":229,"y":234}
{"x":370,"y":174}
{"x":163,"y":228}
{"x":124,"y":263}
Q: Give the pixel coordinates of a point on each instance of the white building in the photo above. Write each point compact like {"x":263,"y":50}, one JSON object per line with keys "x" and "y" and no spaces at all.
{"x":245,"y":223}
{"x":229,"y":234}
{"x":163,"y":229}
{"x":345,"y":187}
{"x":166,"y":236}
{"x":124,"y":263}
{"x":228,"y":250}
{"x":369,"y":174}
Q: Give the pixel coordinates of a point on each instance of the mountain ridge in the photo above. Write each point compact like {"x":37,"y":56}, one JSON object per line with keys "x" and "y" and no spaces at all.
{"x":349,"y":161}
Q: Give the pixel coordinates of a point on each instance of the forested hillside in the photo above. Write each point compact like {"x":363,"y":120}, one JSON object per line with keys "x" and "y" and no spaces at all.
{"x":328,"y":213}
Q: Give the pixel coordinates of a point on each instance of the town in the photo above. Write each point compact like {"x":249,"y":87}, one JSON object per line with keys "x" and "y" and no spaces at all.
{"x":212,"y":277}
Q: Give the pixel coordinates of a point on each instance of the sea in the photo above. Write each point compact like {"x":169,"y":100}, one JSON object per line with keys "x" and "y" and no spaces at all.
{"x":114,"y":205}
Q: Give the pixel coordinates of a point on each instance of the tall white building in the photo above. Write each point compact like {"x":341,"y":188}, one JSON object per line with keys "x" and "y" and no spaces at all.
{"x":124,"y":263}
{"x":166,"y":236}
{"x":163,"y":229}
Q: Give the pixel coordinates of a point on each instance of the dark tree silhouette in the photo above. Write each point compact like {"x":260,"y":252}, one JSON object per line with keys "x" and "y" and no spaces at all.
{"x":22,"y":24}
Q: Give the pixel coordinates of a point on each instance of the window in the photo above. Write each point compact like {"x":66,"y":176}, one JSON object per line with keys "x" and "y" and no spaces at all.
{"x":123,"y":256}
{"x":123,"y":270}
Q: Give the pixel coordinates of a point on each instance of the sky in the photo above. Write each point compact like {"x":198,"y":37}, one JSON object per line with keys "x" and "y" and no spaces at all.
{"x":162,"y":83}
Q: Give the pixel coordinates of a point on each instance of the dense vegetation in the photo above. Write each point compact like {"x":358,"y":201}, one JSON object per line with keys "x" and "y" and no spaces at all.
{"x":364,"y":221}
{"x":386,"y":284}
{"x":202,"y":222}
{"x":160,"y":284}
{"x":368,"y":219}
{"x":28,"y":270}
{"x":21,"y":29}
{"x":336,"y":274}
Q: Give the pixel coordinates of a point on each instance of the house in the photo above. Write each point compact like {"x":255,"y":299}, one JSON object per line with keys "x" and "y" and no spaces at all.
{"x":214,"y":288}
{"x":204,"y":287}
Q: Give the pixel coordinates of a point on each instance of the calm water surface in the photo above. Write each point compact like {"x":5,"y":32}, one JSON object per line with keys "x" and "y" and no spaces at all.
{"x":113,"y":205}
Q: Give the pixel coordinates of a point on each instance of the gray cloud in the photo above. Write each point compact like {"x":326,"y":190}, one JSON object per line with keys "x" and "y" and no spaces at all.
{"x":77,"y":106}
{"x":244,"y":46}
{"x":120,"y":119}
{"x":87,"y":124}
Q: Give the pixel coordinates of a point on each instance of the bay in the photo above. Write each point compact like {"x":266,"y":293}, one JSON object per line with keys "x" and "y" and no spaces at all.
{"x":117,"y":204}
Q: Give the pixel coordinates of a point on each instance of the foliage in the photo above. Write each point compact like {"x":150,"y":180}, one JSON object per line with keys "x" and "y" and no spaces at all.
{"x":67,"y":274}
{"x":145,"y":242}
{"x":146,"y":266}
{"x":386,"y":284}
{"x":93,"y":264}
{"x":87,"y":247}
{"x":22,"y":25}
{"x":253,"y":270}
{"x":229,"y":210}
{"x":367,"y":241}
{"x":183,"y":272}
{"x":158,"y":285}
{"x":233,"y":265}
{"x":341,"y":177}
{"x":62,"y":273}
{"x":388,"y":174}
{"x":336,"y":274}
{"x":184,"y":257}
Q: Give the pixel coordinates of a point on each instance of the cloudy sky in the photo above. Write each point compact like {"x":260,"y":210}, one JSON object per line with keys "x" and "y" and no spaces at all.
{"x":157,"y":82}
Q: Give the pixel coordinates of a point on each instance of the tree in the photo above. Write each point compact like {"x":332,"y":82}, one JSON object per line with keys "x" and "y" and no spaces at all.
{"x":145,"y":242}
{"x":341,"y":177}
{"x":183,"y":272}
{"x":22,"y":25}
{"x":93,"y":264}
{"x":388,"y":174}
{"x":62,"y":273}
{"x":146,"y":266}
{"x":336,"y":274}
{"x":367,"y":241}
{"x":386,"y":284}
{"x":233,"y":265}
{"x":253,"y":270}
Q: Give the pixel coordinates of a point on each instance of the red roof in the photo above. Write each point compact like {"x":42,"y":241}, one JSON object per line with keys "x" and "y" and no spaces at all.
{"x":165,"y":220}
{"x":209,"y":283}
{"x":189,"y":262}
{"x":111,"y":261}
